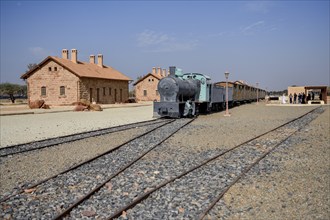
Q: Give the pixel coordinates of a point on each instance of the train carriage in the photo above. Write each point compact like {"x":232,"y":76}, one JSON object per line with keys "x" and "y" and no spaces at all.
{"x":188,"y":94}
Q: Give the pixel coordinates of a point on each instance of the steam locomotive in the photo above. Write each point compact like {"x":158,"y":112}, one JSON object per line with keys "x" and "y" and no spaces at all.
{"x":188,"y":94}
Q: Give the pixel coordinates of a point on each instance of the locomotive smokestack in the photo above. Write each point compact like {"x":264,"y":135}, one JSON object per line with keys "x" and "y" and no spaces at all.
{"x":172,"y":70}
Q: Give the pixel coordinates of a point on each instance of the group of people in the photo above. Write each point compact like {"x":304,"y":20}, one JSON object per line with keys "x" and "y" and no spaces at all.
{"x":301,"y":98}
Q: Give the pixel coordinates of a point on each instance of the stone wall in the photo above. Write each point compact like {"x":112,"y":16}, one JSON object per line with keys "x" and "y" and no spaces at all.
{"x":146,"y":90}
{"x":296,"y":89}
{"x":52,"y":76}
{"x":103,"y":91}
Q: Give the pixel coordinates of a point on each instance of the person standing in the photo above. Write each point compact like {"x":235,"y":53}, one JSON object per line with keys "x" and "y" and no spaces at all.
{"x":303,"y":98}
{"x":295,"y":98}
{"x":309,"y":97}
{"x":283,"y":99}
{"x":290,"y":97}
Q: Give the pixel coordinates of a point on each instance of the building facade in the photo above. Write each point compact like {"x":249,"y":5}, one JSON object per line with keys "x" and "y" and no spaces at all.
{"x":63,"y":81}
{"x":146,"y":87}
{"x":320,"y":91}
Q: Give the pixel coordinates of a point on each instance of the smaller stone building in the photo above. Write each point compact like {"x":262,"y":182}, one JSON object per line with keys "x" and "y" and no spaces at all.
{"x":63,"y":81}
{"x":320,"y":91}
{"x":146,"y":87}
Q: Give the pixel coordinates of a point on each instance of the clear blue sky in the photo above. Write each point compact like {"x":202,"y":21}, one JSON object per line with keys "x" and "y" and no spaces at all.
{"x":275,"y":43}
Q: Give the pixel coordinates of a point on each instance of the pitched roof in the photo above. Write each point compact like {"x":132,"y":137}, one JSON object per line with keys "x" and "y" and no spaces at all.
{"x":82,"y":69}
{"x":149,"y":74}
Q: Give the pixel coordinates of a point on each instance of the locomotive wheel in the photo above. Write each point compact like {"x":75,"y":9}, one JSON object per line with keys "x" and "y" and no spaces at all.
{"x":197,"y":110}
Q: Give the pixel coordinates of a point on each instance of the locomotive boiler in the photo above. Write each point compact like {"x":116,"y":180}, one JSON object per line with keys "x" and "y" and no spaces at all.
{"x":177,"y":95}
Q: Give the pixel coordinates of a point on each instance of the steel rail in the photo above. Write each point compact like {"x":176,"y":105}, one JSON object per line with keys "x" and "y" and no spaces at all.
{"x":76,"y":137}
{"x":97,"y":188}
{"x":147,"y":194}
{"x":84,"y":162}
{"x":245,"y":171}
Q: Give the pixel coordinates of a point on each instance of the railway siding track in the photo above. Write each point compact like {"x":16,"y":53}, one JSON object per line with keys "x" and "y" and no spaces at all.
{"x":186,"y":197}
{"x":20,"y":148}
{"x":139,"y":181}
{"x":57,"y":194}
{"x":135,"y":188}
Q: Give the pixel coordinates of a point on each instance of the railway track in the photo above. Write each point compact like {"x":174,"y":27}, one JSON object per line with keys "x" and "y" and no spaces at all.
{"x":162,"y":192}
{"x":193,"y":193}
{"x":141,"y":193}
{"x":35,"y":145}
{"x":57,"y":195}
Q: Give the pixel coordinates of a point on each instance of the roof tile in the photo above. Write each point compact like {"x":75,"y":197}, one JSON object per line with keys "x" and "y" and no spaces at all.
{"x":83,"y":69}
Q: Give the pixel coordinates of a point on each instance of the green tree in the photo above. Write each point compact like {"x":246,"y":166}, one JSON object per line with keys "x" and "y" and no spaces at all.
{"x":139,"y":77}
{"x":30,"y":66}
{"x":131,"y":93}
{"x":11,"y":90}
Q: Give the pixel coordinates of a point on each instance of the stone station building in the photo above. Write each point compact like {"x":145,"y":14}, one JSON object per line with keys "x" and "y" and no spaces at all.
{"x":63,"y":81}
{"x":320,"y":90}
{"x":146,"y":87}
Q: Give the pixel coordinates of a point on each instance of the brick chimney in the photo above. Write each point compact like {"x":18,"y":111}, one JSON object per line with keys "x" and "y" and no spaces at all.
{"x":164,"y":72}
{"x":159,"y":71}
{"x":65,"y":54}
{"x":74,"y":55}
{"x":92,"y":59}
{"x":100,"y":60}
{"x":153,"y":70}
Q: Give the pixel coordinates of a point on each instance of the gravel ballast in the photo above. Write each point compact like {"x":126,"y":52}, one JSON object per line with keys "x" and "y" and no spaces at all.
{"x":291,"y":183}
{"x":186,"y":197}
{"x":59,"y":193}
{"x":31,"y":167}
{"x":202,"y":138}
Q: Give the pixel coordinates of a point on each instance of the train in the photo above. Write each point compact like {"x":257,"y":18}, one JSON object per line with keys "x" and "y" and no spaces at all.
{"x":189,"y":94}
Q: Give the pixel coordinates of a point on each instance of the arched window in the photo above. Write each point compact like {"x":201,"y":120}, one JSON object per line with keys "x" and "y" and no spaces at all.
{"x":43,"y":91}
{"x":62,"y":90}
